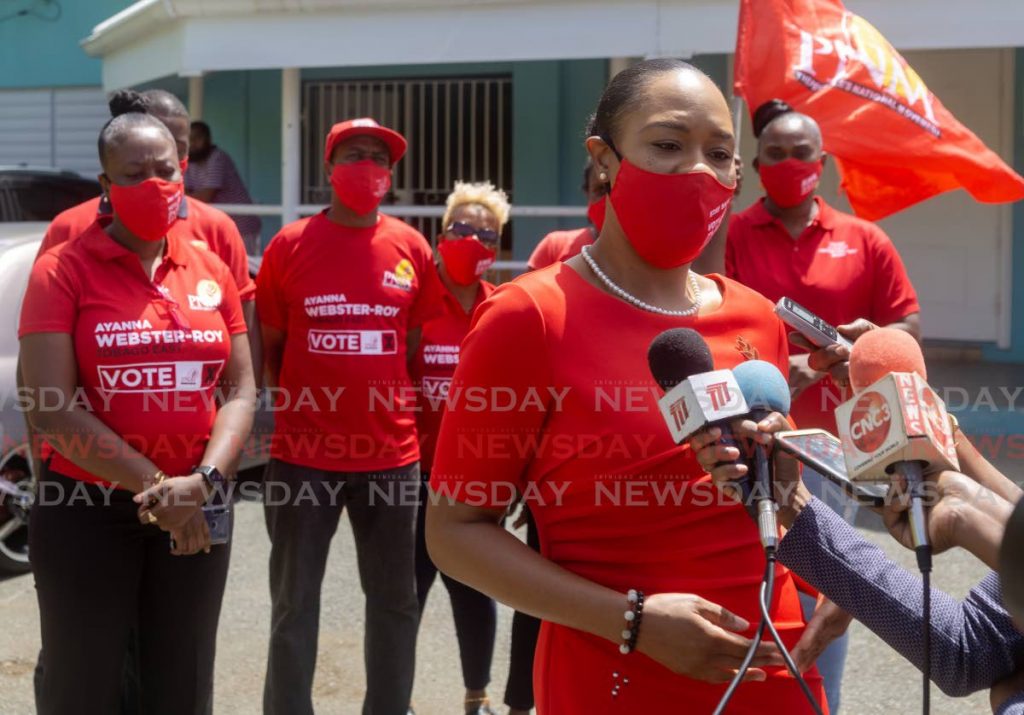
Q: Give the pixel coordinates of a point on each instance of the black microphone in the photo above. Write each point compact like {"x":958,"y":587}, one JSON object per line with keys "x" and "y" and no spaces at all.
{"x":696,"y":395}
{"x":677,"y":354}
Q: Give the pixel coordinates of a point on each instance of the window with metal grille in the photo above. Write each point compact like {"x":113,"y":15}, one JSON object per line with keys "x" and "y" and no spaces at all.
{"x":458,"y":129}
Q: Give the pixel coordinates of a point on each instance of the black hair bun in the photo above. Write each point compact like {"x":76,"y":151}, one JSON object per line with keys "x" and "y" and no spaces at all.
{"x":127,"y":101}
{"x":767,"y":113}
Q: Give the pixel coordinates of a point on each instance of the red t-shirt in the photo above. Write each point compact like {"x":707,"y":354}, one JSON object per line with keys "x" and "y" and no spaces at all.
{"x":560,"y":246}
{"x":841,"y":268}
{"x":346,"y":299}
{"x":148,"y":364}
{"x":201,"y":224}
{"x":579,"y":434}
{"x":434,"y":365}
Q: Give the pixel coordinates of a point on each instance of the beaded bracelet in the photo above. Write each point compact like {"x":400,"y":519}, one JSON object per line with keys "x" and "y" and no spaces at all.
{"x":633,"y":617}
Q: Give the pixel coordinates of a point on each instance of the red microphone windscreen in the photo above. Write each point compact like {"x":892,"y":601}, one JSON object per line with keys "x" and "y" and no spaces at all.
{"x":878,"y":352}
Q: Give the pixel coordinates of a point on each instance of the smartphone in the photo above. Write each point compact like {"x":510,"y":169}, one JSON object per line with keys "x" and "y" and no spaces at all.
{"x":823,"y":452}
{"x":218,"y":520}
{"x":816,"y":330}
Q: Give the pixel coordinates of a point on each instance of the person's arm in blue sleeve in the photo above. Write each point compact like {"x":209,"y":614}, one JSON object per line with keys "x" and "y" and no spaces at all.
{"x":1013,"y":706}
{"x":974,"y":643}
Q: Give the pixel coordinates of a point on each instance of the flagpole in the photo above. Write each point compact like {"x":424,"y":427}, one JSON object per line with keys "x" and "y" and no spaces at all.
{"x":737,"y":120}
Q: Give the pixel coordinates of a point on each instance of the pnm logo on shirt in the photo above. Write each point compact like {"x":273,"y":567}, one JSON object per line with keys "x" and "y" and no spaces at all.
{"x":401,"y":277}
{"x":746,"y":349}
{"x":837,"y":249}
{"x":207,"y":297}
{"x":184,"y":376}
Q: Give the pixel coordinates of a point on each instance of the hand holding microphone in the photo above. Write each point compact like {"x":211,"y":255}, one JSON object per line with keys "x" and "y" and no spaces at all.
{"x":895,"y":428}
{"x":699,"y":398}
{"x":960,"y":512}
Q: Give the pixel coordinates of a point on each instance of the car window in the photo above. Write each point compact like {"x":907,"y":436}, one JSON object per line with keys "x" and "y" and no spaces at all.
{"x":42,"y":198}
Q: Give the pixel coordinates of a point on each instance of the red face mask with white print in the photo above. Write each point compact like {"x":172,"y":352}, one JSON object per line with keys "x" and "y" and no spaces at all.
{"x":361,"y":185}
{"x":668,"y":219}
{"x":147,"y":209}
{"x":465,"y":259}
{"x":788,"y":183}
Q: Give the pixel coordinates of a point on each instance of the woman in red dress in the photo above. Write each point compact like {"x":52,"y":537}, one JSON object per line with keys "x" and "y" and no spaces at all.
{"x":571,"y":423}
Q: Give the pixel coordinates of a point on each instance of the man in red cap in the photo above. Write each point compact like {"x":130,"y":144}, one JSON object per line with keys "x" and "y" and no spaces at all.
{"x":341,"y":297}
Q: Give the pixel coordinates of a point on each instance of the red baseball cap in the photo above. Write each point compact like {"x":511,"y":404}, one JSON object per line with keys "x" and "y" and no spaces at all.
{"x":354,"y":127}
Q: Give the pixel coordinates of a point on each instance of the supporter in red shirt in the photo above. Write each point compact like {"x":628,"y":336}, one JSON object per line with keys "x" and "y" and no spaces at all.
{"x":842,"y":268}
{"x":142,"y":335}
{"x":792,"y":243}
{"x":571,"y":424}
{"x":342,"y":297}
{"x":474,"y":216}
{"x":203,"y":225}
{"x":559,"y":246}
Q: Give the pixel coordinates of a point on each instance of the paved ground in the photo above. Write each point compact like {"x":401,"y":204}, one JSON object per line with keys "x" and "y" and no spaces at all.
{"x":877,"y":680}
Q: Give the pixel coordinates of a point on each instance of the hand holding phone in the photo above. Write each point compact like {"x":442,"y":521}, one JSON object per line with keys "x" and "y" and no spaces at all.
{"x":823,"y":452}
{"x":817,"y":331}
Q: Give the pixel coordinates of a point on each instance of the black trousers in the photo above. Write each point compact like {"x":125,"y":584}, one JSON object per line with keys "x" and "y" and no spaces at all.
{"x":302,"y":507}
{"x":525,"y":629}
{"x":475,"y":615}
{"x":98,"y":574}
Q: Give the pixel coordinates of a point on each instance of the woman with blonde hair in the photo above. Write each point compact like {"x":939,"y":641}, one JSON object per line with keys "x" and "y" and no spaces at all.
{"x":474,"y":216}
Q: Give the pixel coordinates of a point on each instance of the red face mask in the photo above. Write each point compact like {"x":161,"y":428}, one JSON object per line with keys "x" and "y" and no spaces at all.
{"x":147,"y":209}
{"x":596,"y":211}
{"x":791,"y":181}
{"x":361,"y":185}
{"x":465,"y":259}
{"x":184,"y":165}
{"x":669,"y":218}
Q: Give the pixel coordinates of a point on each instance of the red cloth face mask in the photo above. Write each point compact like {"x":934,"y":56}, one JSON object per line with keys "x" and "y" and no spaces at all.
{"x":669,"y":218}
{"x":147,"y":209}
{"x":465,"y":259}
{"x":361,"y":185}
{"x":596,"y":211}
{"x":789,"y":182}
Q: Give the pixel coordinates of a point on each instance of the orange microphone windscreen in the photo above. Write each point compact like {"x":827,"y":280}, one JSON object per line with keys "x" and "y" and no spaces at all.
{"x":878,"y":352}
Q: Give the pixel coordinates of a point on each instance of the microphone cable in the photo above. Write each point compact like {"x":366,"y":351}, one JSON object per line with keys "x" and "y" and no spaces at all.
{"x":790,"y":665}
{"x":926,"y":670}
{"x":767,"y":584}
{"x":911,"y":471}
{"x":765,"y":599}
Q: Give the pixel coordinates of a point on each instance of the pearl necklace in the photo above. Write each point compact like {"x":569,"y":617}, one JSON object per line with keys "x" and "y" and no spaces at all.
{"x":694,"y":285}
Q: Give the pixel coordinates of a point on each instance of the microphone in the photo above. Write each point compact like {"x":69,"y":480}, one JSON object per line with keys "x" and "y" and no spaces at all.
{"x":895,"y":423}
{"x":765,"y":390}
{"x":881,"y":351}
{"x":696,"y":395}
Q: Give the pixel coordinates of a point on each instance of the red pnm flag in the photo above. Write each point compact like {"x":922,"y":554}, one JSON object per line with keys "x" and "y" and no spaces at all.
{"x":895,"y":143}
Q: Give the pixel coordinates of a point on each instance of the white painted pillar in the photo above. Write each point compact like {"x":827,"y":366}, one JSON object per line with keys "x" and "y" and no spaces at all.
{"x":195,"y":97}
{"x":617,"y":64}
{"x":291,"y":157}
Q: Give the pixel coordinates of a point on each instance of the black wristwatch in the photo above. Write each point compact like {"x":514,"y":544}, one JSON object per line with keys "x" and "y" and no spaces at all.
{"x":214,"y":479}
